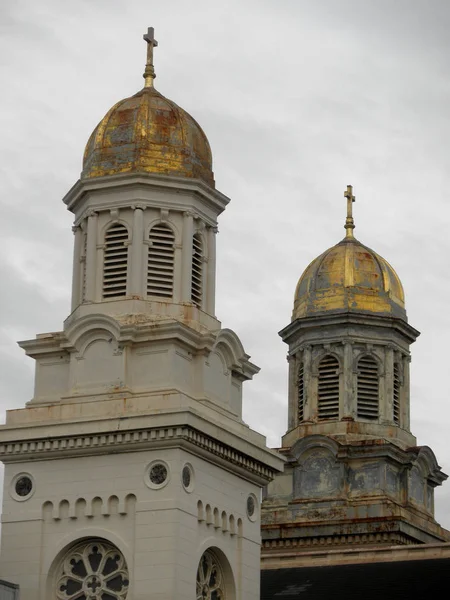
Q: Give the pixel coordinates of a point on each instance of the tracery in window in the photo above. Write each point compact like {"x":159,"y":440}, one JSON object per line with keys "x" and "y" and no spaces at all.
{"x":94,"y":570}
{"x":210,"y":579}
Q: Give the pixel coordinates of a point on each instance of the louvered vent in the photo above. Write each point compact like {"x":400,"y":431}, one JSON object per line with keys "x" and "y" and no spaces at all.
{"x":367,"y":404}
{"x":396,"y":399}
{"x":115,"y":264}
{"x":301,"y":393}
{"x":328,"y":388}
{"x":160,"y":262}
{"x":197,"y":271}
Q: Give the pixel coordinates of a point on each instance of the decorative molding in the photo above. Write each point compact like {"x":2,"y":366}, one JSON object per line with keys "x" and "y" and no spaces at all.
{"x":394,"y":538}
{"x":103,"y":443}
{"x":219,"y":519}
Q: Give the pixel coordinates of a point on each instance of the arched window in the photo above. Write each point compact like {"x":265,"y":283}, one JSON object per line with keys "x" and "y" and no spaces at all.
{"x":197,"y":271}
{"x":115,"y":262}
{"x":368,"y":388}
{"x":93,"y":569}
{"x":328,"y":388}
{"x":396,"y":394}
{"x":161,"y":261}
{"x":301,"y":393}
{"x":210,"y":578}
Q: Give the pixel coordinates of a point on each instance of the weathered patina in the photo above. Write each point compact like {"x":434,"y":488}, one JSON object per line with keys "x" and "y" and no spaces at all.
{"x":148,"y":133}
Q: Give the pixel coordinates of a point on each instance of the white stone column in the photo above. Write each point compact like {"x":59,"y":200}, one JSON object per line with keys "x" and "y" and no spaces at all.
{"x":211,"y":272}
{"x":91,"y":256}
{"x":387,"y":402}
{"x":76,"y":272}
{"x":186,"y":274}
{"x":136,"y":281}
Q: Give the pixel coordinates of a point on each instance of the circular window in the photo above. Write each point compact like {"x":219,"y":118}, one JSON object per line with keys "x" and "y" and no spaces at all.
{"x":210,"y":579}
{"x":187,"y":478}
{"x":157,"y":474}
{"x":22,"y":486}
{"x":251,"y":507}
{"x":93,"y":570}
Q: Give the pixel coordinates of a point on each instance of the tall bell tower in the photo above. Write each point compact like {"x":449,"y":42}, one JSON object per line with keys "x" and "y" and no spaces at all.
{"x":130,"y":474}
{"x":355,"y":475}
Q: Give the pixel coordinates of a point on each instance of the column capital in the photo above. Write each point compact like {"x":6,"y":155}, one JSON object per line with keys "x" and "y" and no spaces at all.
{"x":92,"y":213}
{"x":138,"y":207}
{"x":189,"y":213}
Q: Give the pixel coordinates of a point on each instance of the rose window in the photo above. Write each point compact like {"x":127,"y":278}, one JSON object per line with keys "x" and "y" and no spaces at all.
{"x":92,"y":571}
{"x":210,"y":580}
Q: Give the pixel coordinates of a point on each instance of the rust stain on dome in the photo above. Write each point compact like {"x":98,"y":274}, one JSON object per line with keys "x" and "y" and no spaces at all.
{"x":349,"y":277}
{"x":147,"y":133}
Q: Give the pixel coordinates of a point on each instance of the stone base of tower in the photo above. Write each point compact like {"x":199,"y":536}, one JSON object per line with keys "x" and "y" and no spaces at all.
{"x":153,"y":491}
{"x":368,"y":493}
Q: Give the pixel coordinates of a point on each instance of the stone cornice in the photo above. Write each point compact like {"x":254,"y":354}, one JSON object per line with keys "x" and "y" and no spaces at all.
{"x":135,"y":440}
{"x":119,"y":182}
{"x":348,"y":318}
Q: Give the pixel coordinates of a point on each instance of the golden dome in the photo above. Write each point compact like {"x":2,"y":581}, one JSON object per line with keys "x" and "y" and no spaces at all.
{"x":349,"y":277}
{"x":147,"y":133}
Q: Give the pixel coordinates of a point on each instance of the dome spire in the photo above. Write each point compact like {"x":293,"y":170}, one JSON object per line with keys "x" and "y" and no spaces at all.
{"x":349,"y":223}
{"x":149,"y":73}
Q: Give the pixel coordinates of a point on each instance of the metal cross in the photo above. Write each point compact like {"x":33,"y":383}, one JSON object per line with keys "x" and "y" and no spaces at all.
{"x":349,"y":224}
{"x":350,"y":199}
{"x":149,"y":73}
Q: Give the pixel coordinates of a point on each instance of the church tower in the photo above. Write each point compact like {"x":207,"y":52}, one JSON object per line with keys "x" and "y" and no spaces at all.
{"x":130,"y":474}
{"x":355,"y":476}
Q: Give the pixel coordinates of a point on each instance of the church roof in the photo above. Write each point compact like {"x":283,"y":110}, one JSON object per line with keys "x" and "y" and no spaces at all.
{"x":349,"y":277}
{"x":402,"y":580}
{"x":148,"y":133}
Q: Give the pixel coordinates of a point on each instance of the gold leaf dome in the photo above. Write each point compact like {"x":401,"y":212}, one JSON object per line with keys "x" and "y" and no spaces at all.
{"x":349,"y":277}
{"x":148,"y":133}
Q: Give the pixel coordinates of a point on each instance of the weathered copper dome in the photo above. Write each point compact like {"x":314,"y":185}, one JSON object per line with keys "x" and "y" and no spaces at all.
{"x":147,"y":133}
{"x":349,"y":277}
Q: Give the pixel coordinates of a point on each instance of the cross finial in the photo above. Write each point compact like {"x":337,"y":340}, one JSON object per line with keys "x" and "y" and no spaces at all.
{"x":149,"y":73}
{"x":349,"y":223}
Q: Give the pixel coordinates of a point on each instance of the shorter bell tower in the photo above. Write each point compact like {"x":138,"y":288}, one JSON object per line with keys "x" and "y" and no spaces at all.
{"x":355,"y":475}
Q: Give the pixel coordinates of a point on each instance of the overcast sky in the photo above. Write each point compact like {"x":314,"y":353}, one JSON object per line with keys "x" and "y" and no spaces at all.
{"x":298,"y":99}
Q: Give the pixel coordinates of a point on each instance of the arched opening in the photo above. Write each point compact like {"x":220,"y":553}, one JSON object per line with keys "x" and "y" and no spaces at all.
{"x":161,"y":261}
{"x":300,"y":393}
{"x":92,"y":568}
{"x":115,"y":262}
{"x":328,"y":388}
{"x":396,"y":395}
{"x":197,"y":271}
{"x":215,"y":579}
{"x":367,"y":388}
